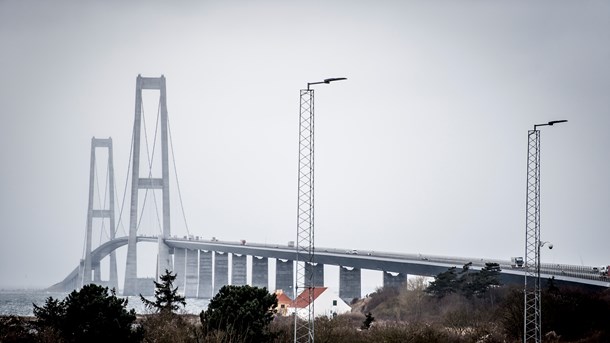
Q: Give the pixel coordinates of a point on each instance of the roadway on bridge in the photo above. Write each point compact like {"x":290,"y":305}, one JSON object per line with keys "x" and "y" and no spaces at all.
{"x":411,"y":264}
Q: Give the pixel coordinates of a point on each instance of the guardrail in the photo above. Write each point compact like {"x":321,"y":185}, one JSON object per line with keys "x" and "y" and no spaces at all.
{"x":575,"y":271}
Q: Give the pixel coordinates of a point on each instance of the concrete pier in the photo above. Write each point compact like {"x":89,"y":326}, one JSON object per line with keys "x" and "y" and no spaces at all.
{"x":395,"y":280}
{"x":221,"y":270}
{"x":318,"y":273}
{"x":284,"y":277}
{"x":260,"y":272}
{"x":205,"y":275}
{"x":192,"y":260}
{"x":113,"y":277}
{"x":145,"y":286}
{"x":97,"y":273}
{"x":349,"y":284}
{"x":130,"y":285}
{"x":113,"y":281}
{"x":180,"y":268}
{"x":81,"y":275}
{"x":164,"y":258}
{"x":238,"y":270}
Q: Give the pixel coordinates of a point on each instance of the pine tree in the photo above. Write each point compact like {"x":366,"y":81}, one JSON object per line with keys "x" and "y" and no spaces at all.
{"x":242,"y":313}
{"x":167,"y":299}
{"x":444,"y":284}
{"x":465,"y":282}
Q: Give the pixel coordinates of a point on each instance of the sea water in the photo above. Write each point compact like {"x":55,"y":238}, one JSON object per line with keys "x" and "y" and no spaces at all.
{"x":20,"y":302}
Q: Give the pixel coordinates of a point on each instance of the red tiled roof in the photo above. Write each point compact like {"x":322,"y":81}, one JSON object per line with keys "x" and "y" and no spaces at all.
{"x":283,"y":298}
{"x":302,"y":300}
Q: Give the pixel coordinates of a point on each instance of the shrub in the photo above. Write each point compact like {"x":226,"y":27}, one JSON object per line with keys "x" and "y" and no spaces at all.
{"x":93,"y":314}
{"x":168,"y":327}
{"x":241,"y":312}
{"x":14,"y":329}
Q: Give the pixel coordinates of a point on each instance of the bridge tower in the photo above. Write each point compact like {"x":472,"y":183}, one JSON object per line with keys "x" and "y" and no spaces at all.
{"x":100,"y":213}
{"x":143,"y":183}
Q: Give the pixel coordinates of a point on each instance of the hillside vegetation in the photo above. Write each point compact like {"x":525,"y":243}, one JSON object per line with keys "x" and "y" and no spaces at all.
{"x":460,"y":306}
{"x":495,"y":315}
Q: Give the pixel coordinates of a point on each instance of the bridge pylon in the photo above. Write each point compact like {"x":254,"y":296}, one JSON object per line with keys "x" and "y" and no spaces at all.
{"x":103,"y":213}
{"x":131,"y":286}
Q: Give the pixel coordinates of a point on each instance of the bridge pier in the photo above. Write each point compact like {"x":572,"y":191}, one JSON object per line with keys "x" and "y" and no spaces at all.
{"x":284,"y":277}
{"x":180,"y":268}
{"x":238,"y":270}
{"x":130,"y":286}
{"x":113,"y":277}
{"x":206,"y":286}
{"x":81,"y":274}
{"x":192,"y":259}
{"x":349,"y":284}
{"x":164,"y":258}
{"x":97,"y":273}
{"x":395,"y":280}
{"x":145,"y":286}
{"x":260,"y":272}
{"x":318,"y":273}
{"x":221,"y":270}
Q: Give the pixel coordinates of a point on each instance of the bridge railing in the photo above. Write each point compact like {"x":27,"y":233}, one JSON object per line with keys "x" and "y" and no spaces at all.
{"x":582,"y":272}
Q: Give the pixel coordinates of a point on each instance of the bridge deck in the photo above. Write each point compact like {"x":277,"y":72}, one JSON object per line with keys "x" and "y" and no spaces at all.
{"x":413,"y":264}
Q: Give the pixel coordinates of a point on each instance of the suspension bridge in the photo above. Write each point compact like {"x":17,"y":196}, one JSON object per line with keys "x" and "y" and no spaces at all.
{"x":205,"y":265}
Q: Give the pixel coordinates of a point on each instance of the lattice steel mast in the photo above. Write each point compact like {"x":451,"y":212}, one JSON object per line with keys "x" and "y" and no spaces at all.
{"x":304,"y":329}
{"x":532,"y":328}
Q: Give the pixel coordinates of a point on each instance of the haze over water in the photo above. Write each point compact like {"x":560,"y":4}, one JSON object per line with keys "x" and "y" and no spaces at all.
{"x":19,"y":302}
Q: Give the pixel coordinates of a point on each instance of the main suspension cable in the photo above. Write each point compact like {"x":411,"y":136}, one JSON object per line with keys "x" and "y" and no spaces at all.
{"x":99,"y":200}
{"x":171,"y":144}
{"x":129,"y":162}
{"x":150,"y":157}
{"x":146,"y":141}
{"x":150,"y":163}
{"x":104,"y":205}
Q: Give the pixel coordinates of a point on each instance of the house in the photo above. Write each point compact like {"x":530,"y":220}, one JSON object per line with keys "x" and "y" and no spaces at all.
{"x":325,"y":303}
{"x":283,"y":302}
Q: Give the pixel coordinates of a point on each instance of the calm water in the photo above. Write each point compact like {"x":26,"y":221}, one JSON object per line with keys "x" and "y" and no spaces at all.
{"x":19,"y":302}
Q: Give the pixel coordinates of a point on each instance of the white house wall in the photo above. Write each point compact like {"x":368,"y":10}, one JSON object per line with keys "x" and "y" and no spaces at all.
{"x":323,"y":306}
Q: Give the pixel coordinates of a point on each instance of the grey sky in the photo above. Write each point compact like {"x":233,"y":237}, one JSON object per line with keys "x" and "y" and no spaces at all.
{"x":422,"y":150}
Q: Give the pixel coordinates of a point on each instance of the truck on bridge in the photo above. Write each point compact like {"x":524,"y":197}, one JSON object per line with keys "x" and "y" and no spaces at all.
{"x":604,"y":271}
{"x":516,"y":262}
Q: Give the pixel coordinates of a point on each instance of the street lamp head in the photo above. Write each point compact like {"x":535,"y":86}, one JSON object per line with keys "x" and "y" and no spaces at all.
{"x":327,"y":81}
{"x":551,"y":123}
{"x":334,"y":79}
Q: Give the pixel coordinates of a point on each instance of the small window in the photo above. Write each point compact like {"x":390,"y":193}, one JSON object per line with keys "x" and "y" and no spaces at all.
{"x":334,"y":302}
{"x":282,"y":306}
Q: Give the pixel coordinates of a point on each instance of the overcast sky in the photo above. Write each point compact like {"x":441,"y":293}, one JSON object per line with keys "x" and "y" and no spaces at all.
{"x":421,"y":150}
